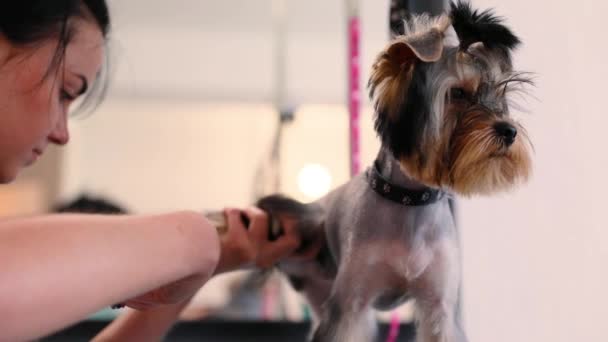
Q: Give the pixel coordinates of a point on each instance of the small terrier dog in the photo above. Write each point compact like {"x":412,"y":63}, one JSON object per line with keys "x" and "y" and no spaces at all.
{"x":441,"y":94}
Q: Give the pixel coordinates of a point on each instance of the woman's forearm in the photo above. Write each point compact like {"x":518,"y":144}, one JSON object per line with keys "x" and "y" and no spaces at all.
{"x":142,"y":326}
{"x":55,"y":270}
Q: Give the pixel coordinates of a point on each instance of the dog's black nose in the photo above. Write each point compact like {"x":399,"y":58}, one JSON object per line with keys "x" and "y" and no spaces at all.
{"x":506,"y":131}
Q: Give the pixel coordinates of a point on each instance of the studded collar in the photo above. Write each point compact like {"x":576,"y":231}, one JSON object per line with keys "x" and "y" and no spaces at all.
{"x":399,"y":194}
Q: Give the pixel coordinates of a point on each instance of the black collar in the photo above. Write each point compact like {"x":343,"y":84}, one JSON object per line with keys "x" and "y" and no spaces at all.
{"x":398,"y":194}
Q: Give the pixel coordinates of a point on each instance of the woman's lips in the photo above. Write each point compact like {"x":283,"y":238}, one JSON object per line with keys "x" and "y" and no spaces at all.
{"x":36,"y":153}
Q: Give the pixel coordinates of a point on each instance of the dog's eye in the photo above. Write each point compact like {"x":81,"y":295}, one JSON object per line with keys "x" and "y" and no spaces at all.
{"x":458,"y":94}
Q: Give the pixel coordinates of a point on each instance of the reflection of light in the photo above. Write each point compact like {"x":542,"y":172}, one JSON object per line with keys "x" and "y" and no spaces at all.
{"x":314,"y":180}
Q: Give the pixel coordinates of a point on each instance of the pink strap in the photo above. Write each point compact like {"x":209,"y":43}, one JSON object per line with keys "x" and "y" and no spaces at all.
{"x":393,"y":332}
{"x":354,"y":107}
{"x":354,"y":94}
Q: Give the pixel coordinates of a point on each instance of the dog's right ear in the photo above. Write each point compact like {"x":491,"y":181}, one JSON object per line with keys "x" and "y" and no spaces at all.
{"x":393,"y":68}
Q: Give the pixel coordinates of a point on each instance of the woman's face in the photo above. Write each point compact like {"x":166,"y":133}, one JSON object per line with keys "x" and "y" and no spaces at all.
{"x":33,"y":107}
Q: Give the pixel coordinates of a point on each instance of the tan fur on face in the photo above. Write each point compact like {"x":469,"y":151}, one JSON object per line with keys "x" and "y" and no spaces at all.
{"x":432,"y":167}
{"x":470,"y":159}
{"x":481,"y":164}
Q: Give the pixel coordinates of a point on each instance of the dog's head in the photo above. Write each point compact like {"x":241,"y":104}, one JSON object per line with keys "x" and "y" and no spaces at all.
{"x":441,"y":95}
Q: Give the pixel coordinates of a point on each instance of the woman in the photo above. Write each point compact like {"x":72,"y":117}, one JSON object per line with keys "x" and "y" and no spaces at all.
{"x":56,"y":270}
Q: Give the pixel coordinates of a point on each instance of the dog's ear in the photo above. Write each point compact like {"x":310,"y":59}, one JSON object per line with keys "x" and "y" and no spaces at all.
{"x":393,"y":68}
{"x":426,"y":46}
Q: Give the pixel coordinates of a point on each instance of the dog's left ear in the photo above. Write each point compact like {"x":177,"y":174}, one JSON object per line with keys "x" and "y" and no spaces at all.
{"x":393,"y":69}
{"x":426,"y":46}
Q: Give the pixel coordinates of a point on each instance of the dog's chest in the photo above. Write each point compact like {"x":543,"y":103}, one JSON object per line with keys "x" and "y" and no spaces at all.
{"x":360,"y":219}
{"x":389,"y":244}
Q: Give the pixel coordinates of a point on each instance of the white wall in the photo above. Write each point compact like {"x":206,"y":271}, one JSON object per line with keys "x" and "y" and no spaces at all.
{"x":224,"y":50}
{"x":162,"y":156}
{"x":534,"y":260}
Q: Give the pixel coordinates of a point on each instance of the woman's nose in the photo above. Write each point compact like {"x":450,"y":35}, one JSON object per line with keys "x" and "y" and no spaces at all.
{"x":60,"y":134}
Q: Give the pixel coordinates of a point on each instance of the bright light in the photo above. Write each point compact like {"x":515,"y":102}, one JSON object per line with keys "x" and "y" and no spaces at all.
{"x":314,"y":180}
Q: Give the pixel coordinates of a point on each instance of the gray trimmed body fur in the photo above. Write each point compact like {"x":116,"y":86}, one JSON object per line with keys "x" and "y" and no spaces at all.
{"x":378,"y":254}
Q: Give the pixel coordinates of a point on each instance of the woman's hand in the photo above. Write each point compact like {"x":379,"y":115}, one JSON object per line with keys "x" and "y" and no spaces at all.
{"x":243,"y":247}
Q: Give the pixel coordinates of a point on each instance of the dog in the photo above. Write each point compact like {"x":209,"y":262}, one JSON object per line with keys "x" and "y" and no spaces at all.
{"x":441,"y":93}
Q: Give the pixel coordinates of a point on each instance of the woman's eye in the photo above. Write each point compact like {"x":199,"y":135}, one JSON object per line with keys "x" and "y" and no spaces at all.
{"x":458,"y":94}
{"x":65,"y":96}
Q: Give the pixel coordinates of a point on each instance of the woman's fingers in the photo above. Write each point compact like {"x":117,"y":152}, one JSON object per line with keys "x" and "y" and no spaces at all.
{"x":258,"y":226}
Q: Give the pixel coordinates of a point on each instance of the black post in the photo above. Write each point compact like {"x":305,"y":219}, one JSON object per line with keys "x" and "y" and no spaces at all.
{"x":401,"y":9}
{"x":432,"y":7}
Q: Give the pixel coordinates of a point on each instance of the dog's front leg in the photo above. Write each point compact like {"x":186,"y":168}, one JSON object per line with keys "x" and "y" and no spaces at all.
{"x":436,"y":291}
{"x":346,"y":316}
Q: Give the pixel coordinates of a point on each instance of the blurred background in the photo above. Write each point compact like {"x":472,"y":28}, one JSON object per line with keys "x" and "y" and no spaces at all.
{"x":192,"y":117}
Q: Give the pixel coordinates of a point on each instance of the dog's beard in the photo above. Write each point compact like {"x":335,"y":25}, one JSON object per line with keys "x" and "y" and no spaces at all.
{"x":481,"y":163}
{"x":469,"y":158}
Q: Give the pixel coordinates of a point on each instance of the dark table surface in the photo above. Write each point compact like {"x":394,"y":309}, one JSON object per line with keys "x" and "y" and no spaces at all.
{"x":222,"y":331}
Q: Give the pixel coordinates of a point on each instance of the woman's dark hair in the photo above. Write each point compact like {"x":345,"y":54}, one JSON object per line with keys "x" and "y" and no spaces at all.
{"x":90,"y":205}
{"x":29,"y":22}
